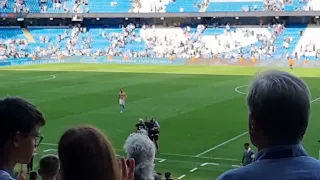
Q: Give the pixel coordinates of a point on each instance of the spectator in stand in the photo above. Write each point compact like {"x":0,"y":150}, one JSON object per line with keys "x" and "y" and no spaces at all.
{"x":49,"y":167}
{"x":33,"y":175}
{"x":19,"y":135}
{"x":279,"y":107}
{"x":139,"y":147}
{"x":85,"y":153}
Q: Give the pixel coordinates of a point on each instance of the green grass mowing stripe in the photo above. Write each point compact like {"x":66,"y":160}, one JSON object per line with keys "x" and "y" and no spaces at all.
{"x":238,"y":136}
{"x":232,"y":139}
{"x":182,"y":69}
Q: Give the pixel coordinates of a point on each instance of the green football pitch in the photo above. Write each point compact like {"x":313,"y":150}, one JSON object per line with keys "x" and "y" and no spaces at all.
{"x":201,"y":109}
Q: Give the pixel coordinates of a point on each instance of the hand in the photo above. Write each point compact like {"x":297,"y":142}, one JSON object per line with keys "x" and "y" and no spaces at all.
{"x":127,"y":168}
{"x":22,"y":175}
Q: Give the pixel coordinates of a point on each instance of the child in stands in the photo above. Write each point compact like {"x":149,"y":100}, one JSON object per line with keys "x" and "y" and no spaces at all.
{"x":49,"y":167}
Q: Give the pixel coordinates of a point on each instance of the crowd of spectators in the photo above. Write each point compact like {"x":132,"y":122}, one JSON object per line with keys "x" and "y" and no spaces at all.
{"x":16,"y":48}
{"x":154,"y":42}
{"x":81,"y":6}
{"x":19,"y":6}
{"x":278,"y":105}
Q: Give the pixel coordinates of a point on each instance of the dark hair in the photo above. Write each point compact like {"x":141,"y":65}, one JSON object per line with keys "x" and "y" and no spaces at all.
{"x":85,"y":153}
{"x":280,"y":104}
{"x":33,"y":175}
{"x":246,"y":144}
{"x":167,"y":174}
{"x":49,"y":165}
{"x":17,"y":114}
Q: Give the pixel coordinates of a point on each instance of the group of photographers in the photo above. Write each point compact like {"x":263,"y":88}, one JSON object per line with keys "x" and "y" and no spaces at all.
{"x":150,"y":128}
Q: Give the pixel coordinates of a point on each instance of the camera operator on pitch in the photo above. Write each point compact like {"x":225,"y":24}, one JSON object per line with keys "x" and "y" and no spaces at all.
{"x":153,"y":129}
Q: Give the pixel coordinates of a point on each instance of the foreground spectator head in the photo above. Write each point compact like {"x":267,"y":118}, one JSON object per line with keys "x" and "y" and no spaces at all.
{"x":142,"y":150}
{"x":167,"y":176}
{"x":33,"y":175}
{"x":19,"y":133}
{"x":49,"y":167}
{"x":86,"y":153}
{"x":279,"y":107}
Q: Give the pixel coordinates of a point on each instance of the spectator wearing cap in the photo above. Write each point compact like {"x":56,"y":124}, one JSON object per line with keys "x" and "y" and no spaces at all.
{"x":279,"y":107}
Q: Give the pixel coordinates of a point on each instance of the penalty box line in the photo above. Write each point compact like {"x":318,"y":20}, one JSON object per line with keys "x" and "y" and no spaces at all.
{"x":240,"y":135}
{"x":169,"y":154}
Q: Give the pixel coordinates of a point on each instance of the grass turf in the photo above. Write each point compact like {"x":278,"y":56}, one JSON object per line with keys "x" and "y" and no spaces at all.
{"x":196,"y":106}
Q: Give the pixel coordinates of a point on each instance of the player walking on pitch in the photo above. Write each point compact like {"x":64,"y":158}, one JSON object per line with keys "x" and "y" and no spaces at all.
{"x":122,"y":100}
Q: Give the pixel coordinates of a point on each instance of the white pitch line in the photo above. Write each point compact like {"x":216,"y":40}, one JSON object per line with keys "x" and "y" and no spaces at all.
{"x":193,"y":170}
{"x":48,"y":150}
{"x":214,"y":164}
{"x":180,"y":177}
{"x":240,"y":135}
{"x":169,"y":154}
{"x":237,"y":89}
{"x":49,"y":144}
{"x":163,"y":160}
{"x":47,"y":78}
{"x":221,"y":144}
{"x":236,"y":166}
{"x":315,"y":100}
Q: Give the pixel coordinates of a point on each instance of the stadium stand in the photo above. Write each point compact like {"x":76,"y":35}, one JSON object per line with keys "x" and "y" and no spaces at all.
{"x":184,"y":6}
{"x":273,"y":42}
{"x":117,"y":6}
{"x":235,"y":6}
{"x":109,"y":6}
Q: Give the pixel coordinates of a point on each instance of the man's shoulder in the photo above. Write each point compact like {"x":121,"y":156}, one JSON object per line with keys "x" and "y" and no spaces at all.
{"x":252,"y":169}
{"x":312,"y":161}
{"x":5,"y":175}
{"x":234,"y":174}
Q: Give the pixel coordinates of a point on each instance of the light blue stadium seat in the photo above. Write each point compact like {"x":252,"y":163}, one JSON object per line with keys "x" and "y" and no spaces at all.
{"x":234,"y":6}
{"x":290,"y":31}
{"x":187,"y":5}
{"x":101,"y":43}
{"x":99,"y":6}
{"x":11,"y":33}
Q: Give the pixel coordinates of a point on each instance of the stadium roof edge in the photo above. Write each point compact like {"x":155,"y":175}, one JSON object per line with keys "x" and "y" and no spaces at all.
{"x":164,"y":15}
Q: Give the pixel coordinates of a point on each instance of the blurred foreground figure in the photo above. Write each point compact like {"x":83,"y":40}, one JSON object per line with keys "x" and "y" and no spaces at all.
{"x":279,"y":107}
{"x":49,"y":167}
{"x":20,"y":123}
{"x":139,"y":147}
{"x":86,"y":153}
